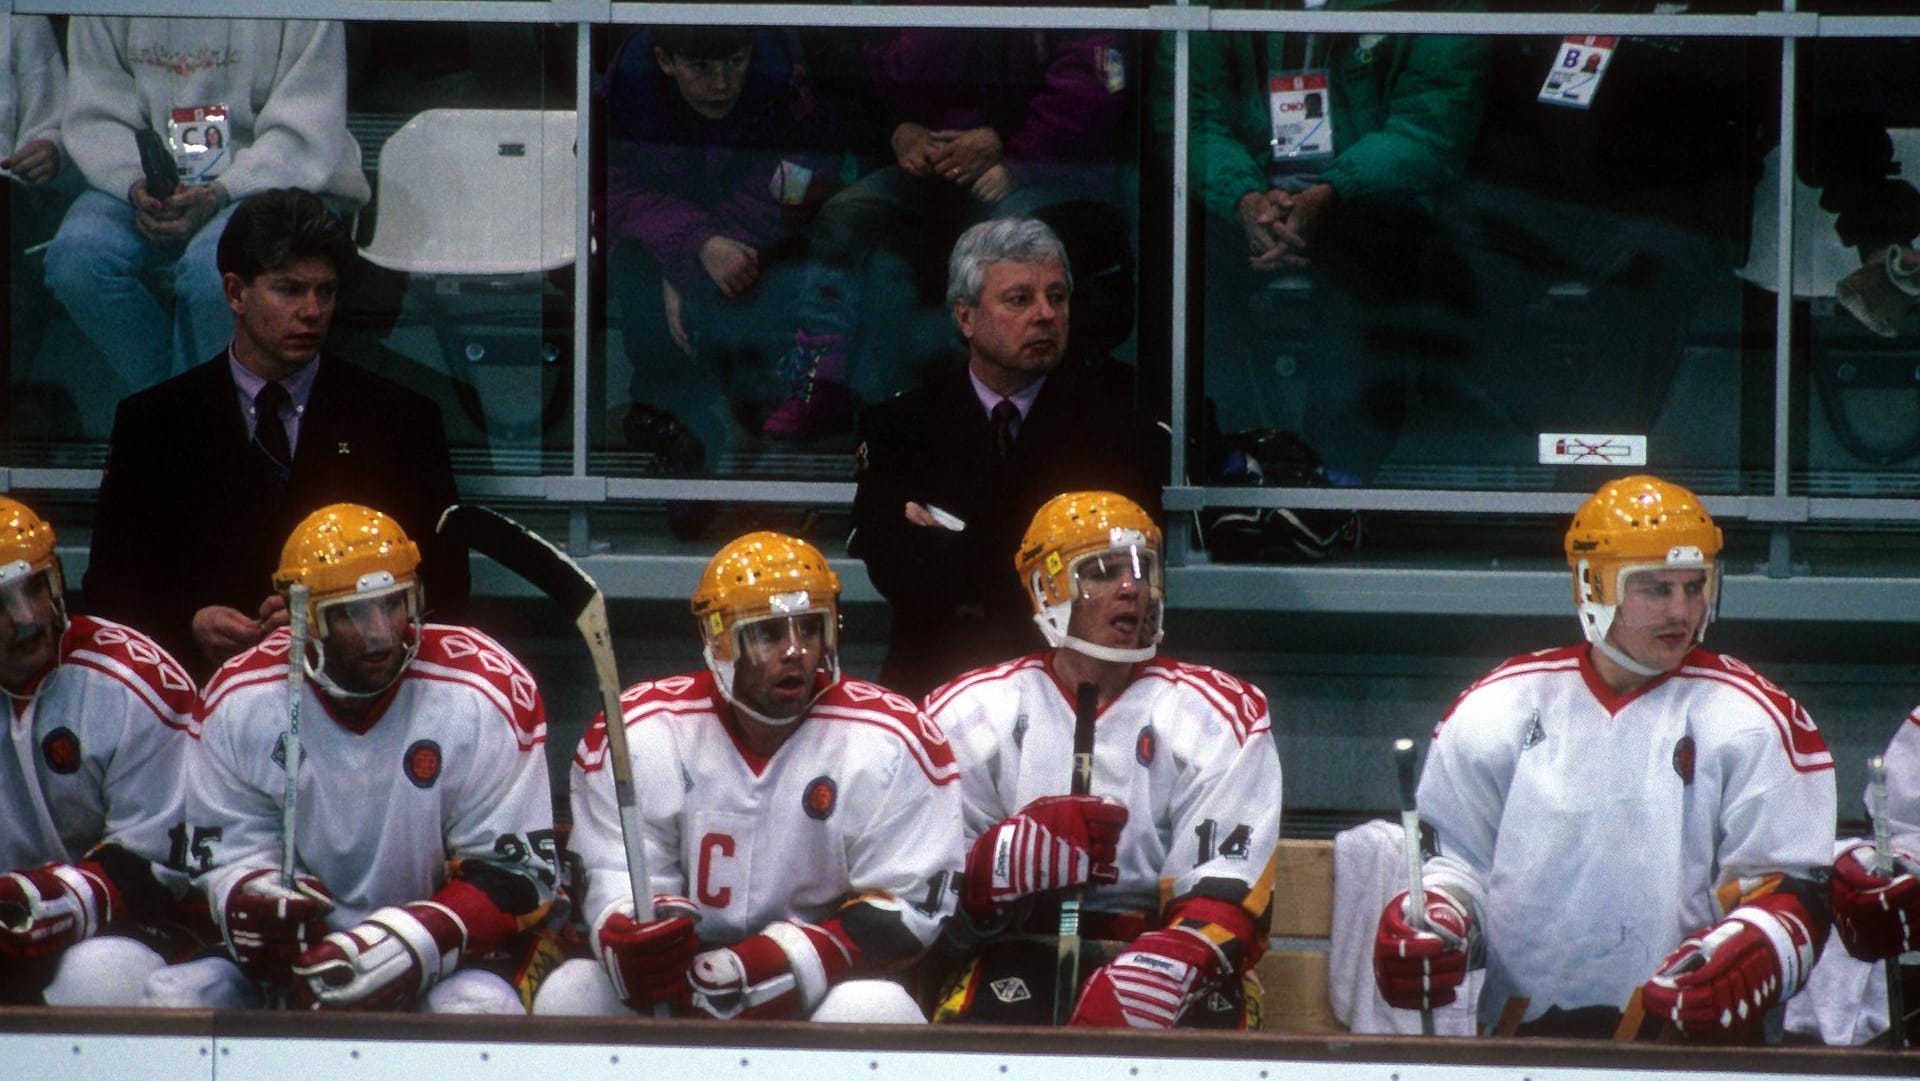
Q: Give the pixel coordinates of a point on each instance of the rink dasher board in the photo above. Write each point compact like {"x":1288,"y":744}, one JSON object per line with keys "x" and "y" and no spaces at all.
{"x":206,"y":1046}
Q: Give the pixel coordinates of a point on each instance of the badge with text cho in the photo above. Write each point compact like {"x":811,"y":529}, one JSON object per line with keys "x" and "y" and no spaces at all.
{"x":1297,"y":106}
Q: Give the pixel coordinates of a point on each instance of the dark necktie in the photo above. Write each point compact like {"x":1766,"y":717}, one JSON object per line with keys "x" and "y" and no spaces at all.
{"x":269,"y":434}
{"x":1005,"y":415}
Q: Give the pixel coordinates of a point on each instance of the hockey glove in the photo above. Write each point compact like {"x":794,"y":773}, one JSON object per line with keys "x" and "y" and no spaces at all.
{"x":784,"y":971}
{"x":1055,"y":842}
{"x":647,"y":962}
{"x":384,"y":962}
{"x":1878,"y":916}
{"x":1152,"y":983}
{"x":1420,"y":970}
{"x":47,"y":909}
{"x":1722,"y":980}
{"x":269,"y":924}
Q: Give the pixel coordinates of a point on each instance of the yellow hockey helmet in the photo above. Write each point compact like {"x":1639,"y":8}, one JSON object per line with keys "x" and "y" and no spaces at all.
{"x":1632,"y":524}
{"x":26,"y":541}
{"x":760,"y":576}
{"x":1066,"y":532}
{"x":26,"y":550}
{"x":346,"y":550}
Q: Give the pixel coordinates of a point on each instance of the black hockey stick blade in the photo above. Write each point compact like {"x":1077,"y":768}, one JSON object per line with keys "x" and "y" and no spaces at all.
{"x":523,"y":552}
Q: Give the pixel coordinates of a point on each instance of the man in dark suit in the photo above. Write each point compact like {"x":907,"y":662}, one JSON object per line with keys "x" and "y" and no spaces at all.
{"x":950,"y":473}
{"x":208,"y":472}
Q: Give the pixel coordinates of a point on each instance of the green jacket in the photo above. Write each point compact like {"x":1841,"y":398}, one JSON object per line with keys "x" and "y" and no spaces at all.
{"x":1405,"y":108}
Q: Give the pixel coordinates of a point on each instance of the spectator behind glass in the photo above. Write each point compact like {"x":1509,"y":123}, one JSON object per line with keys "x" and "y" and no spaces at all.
{"x":275,"y":94}
{"x":716,"y":162}
{"x":34,"y":186}
{"x":209,"y":471}
{"x":985,"y":124}
{"x":1357,"y":214}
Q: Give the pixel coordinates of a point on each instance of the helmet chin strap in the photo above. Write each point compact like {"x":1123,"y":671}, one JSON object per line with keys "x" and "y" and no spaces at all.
{"x":317,"y":668}
{"x":1060,"y":639}
{"x":723,"y":679}
{"x":1619,"y":656}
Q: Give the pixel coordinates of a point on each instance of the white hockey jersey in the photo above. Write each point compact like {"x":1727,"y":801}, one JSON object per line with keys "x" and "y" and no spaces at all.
{"x":447,"y":772}
{"x":1189,"y":749}
{"x":98,"y":756}
{"x":1590,"y":832}
{"x":1903,"y":785}
{"x":854,"y":819}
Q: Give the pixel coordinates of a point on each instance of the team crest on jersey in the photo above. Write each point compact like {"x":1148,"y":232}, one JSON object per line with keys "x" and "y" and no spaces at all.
{"x":1683,"y":759}
{"x":1535,"y":732}
{"x":1009,"y":990}
{"x":820,"y":798}
{"x":1144,"y":745}
{"x":280,"y":751}
{"x":61,"y":751}
{"x":422,"y":763}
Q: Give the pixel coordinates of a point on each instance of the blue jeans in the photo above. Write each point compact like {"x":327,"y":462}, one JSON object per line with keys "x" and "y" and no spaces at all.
{"x":96,"y":268}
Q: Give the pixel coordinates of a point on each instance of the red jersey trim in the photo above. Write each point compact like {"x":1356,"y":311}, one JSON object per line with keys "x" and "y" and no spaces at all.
{"x":136,"y":661}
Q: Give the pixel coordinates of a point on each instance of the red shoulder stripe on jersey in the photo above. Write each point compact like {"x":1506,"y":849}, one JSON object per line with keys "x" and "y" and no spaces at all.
{"x":1557,"y":659}
{"x":938,"y":698}
{"x":270,"y":655}
{"x":1806,"y":748}
{"x":921,"y":736}
{"x":470,"y":657}
{"x":1242,"y":704}
{"x":133,"y":659}
{"x":226,"y":684}
{"x":1914,"y":717}
{"x":677,"y":696}
{"x":529,"y":726}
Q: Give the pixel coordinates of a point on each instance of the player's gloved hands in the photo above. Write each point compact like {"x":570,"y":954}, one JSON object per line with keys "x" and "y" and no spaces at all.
{"x":784,"y":971}
{"x":384,"y":962}
{"x":1152,"y":983}
{"x":1420,"y":970}
{"x":46,"y":909}
{"x":648,"y":961}
{"x":1722,"y":980}
{"x":1877,"y":916}
{"x":269,"y":923}
{"x":1055,"y":842}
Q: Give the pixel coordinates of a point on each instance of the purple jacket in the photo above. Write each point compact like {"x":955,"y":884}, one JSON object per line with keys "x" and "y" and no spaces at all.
{"x":1056,"y":97}
{"x":675,"y":179}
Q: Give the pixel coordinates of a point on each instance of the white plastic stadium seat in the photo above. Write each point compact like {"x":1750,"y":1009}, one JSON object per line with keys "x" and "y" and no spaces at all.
{"x":477,"y":192}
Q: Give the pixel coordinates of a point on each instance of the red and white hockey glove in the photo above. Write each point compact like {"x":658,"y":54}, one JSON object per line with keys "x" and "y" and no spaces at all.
{"x":46,"y":909}
{"x":269,"y":924}
{"x":784,"y":971}
{"x":1152,"y":983}
{"x":1877,"y":916}
{"x":1055,"y":842}
{"x":648,"y":962}
{"x":384,"y":962}
{"x":1420,"y":970}
{"x":1722,"y":980}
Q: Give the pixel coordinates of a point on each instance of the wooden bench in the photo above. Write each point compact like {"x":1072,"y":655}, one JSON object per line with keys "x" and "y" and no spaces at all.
{"x":1294,"y":970}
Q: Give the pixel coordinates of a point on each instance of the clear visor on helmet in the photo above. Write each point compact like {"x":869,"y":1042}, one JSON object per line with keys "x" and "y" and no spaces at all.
{"x":1652,"y":594}
{"x":29,"y":600}
{"x":769,"y":639}
{"x":1098,"y":572}
{"x":380,"y":618}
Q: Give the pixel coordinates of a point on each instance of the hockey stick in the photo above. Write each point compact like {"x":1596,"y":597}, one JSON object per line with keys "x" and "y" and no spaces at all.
{"x":550,"y":571}
{"x":297,"y":598}
{"x":1883,"y":864}
{"x":1066,"y":983}
{"x":1404,"y":762}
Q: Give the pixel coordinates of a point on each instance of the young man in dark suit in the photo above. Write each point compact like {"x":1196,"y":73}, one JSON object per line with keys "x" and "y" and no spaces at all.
{"x":950,"y":473}
{"x":209,"y":471}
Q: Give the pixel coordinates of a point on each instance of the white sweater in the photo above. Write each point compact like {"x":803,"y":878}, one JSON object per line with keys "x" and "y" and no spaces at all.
{"x":284,"y":84}
{"x":30,"y":96}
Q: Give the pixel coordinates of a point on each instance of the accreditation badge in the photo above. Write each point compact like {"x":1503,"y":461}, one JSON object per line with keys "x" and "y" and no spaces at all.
{"x":1577,"y":70}
{"x":200,"y":137}
{"x":1297,"y":106}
